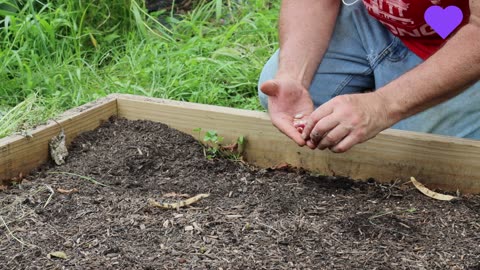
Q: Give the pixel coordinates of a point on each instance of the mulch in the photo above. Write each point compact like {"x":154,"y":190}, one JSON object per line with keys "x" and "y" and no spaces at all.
{"x":253,"y":219}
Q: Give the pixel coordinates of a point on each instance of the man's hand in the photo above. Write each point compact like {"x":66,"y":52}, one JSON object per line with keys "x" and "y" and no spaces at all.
{"x":287,"y":98}
{"x":347,"y":120}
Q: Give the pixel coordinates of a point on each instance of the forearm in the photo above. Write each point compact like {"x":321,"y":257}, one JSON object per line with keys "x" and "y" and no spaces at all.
{"x":445,"y":74}
{"x":305,"y":29}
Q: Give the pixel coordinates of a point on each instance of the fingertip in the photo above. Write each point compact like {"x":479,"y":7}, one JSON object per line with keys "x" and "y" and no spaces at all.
{"x":298,"y":140}
{"x":311,"y":145}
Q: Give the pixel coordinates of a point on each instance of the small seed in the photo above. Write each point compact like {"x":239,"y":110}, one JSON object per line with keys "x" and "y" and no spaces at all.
{"x":299,"y":116}
{"x":299,"y":123}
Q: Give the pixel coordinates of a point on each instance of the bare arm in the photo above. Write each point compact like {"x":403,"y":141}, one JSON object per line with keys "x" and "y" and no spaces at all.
{"x":445,"y":74}
{"x":305,"y":29}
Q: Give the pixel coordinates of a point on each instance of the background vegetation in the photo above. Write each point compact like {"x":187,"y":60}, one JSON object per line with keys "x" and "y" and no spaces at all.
{"x":55,"y":54}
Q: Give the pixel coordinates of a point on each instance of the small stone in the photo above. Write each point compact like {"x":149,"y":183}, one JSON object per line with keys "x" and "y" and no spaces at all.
{"x":182,"y":260}
{"x":188,"y":228}
{"x":142,"y":227}
{"x":68,"y":244}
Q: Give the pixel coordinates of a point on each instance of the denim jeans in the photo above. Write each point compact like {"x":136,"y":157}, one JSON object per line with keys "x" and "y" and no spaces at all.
{"x":363,"y":56}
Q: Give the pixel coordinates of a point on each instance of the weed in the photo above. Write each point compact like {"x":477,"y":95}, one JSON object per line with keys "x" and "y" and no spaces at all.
{"x":212,"y":147}
{"x":94,"y":181}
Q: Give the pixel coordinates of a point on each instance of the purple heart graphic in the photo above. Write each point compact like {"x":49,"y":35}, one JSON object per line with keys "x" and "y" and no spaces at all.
{"x":444,"y":21}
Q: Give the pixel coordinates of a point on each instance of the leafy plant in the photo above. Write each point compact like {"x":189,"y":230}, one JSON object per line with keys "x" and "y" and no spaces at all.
{"x":213,"y":148}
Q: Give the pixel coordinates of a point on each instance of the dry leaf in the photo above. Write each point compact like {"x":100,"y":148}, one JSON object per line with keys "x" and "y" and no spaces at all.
{"x":67,"y":191}
{"x":57,"y":254}
{"x":429,"y":193}
{"x":230,"y":147}
{"x":282,"y":166}
{"x":58,"y":148}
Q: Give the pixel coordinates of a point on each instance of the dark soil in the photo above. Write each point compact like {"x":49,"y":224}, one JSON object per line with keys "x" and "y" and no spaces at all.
{"x":253,"y":219}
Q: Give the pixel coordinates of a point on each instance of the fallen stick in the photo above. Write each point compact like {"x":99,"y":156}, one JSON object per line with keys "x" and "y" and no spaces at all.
{"x":179,"y":204}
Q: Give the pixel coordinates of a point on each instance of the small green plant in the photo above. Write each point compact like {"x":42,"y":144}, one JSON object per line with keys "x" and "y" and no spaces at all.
{"x":412,"y":210}
{"x":212,"y":136}
{"x":213,"y":148}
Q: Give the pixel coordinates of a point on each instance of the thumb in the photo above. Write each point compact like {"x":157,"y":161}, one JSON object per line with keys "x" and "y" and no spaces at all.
{"x":270,"y":88}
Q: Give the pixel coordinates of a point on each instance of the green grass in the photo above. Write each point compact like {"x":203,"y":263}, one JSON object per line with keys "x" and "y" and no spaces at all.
{"x":55,"y":55}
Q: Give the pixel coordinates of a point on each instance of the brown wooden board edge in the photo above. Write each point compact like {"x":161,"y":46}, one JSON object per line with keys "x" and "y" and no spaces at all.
{"x":19,"y":155}
{"x":440,"y":162}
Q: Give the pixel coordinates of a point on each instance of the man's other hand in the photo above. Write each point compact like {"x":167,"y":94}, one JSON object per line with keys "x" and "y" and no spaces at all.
{"x":345,"y":121}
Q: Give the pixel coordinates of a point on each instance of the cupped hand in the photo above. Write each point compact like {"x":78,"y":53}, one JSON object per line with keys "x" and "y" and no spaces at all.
{"x":288,"y":103}
{"x":345,"y":121}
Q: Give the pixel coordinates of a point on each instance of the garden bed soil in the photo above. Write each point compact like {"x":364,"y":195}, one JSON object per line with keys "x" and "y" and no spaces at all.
{"x":253,"y":218}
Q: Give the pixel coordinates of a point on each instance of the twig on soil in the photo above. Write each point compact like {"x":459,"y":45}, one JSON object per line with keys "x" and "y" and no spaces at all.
{"x":17,"y":206}
{"x":49,"y":197}
{"x":13,"y":236}
{"x":177,"y":205}
{"x":381,"y":215}
{"x":269,"y":227}
{"x":81,"y":176}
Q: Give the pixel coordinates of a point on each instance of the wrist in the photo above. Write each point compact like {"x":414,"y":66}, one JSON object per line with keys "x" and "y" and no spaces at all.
{"x":393,"y":110}
{"x":297,"y":77}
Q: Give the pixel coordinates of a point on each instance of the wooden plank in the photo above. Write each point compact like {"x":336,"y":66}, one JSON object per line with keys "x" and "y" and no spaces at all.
{"x":19,"y":154}
{"x":437,"y":161}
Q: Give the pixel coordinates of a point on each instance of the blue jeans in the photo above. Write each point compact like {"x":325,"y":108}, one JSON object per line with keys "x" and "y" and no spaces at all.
{"x":362,"y":56}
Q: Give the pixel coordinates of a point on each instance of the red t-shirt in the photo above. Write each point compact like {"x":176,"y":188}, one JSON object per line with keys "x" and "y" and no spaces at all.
{"x":405,"y":19}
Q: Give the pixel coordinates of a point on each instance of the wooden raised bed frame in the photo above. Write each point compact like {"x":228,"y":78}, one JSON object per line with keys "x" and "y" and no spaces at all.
{"x":446,"y":163}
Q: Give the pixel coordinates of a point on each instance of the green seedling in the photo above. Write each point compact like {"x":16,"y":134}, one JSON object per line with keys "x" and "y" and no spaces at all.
{"x":213,"y":148}
{"x":212,"y":137}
